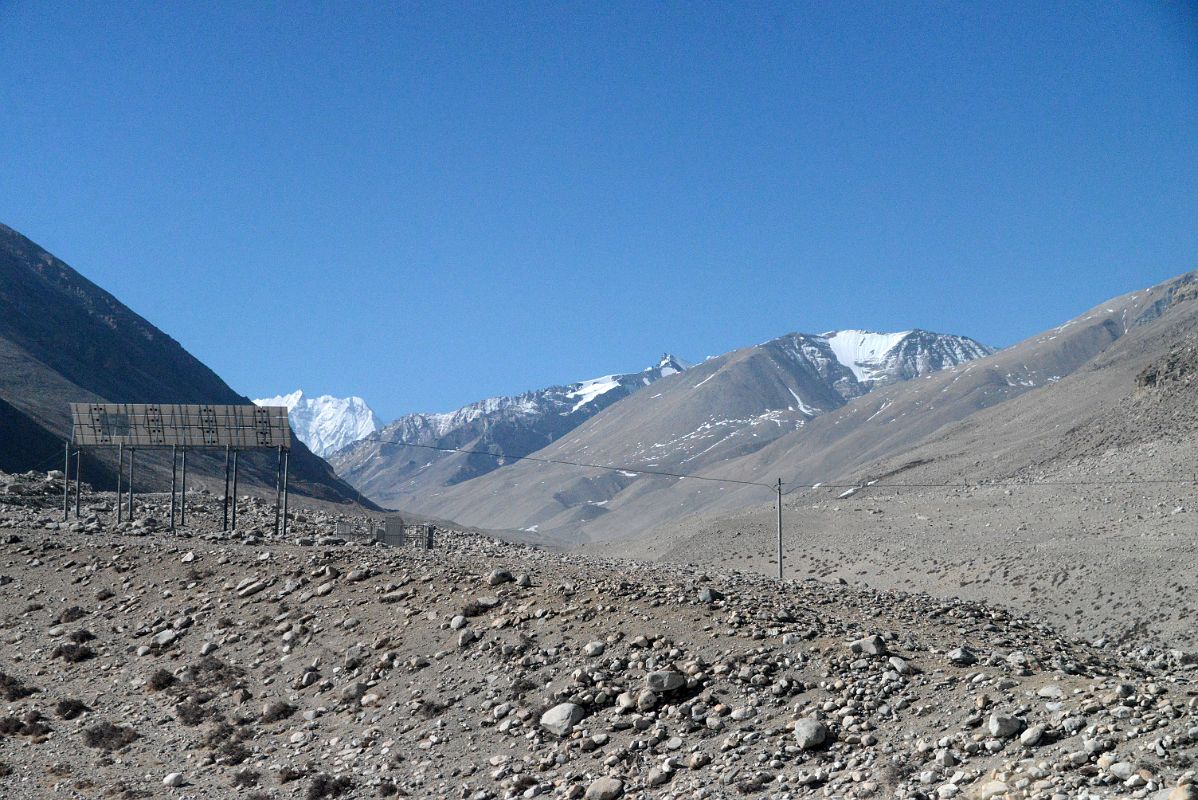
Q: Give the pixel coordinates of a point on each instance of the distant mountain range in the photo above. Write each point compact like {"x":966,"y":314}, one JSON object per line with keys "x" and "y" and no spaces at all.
{"x":64,"y":339}
{"x":325,"y":423}
{"x":724,"y":407}
{"x":792,"y":408}
{"x":399,"y":459}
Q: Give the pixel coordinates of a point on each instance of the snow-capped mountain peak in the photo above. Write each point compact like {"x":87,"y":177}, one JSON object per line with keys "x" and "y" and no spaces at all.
{"x":515,"y":425}
{"x":860,"y":351}
{"x":886,"y":357}
{"x":290,"y":401}
{"x":671,"y":364}
{"x":326,"y":423}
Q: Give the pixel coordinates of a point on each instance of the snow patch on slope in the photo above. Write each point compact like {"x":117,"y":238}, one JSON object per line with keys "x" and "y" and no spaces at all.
{"x":863,"y":351}
{"x":589,"y":390}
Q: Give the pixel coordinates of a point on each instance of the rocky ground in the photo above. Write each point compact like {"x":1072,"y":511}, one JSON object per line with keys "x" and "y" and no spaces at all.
{"x":145,"y":663}
{"x":1113,"y":562}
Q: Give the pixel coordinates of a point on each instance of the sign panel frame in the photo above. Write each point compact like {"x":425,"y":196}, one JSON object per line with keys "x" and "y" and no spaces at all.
{"x":188,"y":425}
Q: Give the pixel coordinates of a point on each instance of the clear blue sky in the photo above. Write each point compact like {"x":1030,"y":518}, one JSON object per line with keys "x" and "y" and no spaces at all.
{"x":429,"y":204}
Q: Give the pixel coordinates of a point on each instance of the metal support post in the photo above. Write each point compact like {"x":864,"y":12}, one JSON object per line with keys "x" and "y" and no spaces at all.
{"x":286,"y":464}
{"x":78,"y":477}
{"x":174,"y":477}
{"x":131,"y":454}
{"x":234,"y":490}
{"x":183,"y":493}
{"x":66,"y":483}
{"x":225,"y":523}
{"x":278,"y":487}
{"x":120,"y":467}
{"x":779,"y":529}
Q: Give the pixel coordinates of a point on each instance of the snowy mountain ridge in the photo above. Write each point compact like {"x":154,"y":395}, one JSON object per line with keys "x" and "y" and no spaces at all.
{"x":513,"y":425}
{"x":880,"y":358}
{"x":326,"y":423}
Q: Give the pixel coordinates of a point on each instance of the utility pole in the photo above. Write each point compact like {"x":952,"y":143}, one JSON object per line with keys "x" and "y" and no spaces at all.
{"x":779,"y":529}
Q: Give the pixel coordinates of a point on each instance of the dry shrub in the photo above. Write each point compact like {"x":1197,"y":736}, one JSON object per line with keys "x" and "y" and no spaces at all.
{"x":288,"y":774}
{"x":246,"y":777}
{"x":161,"y":679}
{"x":73,"y":653}
{"x":72,"y":614}
{"x":69,"y":709}
{"x":14,"y":689}
{"x":277,"y":711}
{"x":324,"y":785}
{"x":110,"y":737}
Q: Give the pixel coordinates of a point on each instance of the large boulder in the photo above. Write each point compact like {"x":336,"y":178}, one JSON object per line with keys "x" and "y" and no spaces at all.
{"x":664,"y":680}
{"x":810,"y":734}
{"x":562,"y":718}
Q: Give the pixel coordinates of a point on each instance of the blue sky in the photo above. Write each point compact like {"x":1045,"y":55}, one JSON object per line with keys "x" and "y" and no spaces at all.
{"x":427,"y":204}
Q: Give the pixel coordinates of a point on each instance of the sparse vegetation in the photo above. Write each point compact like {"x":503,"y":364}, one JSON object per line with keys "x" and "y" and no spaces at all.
{"x":13,"y":688}
{"x":73,"y":653}
{"x":161,"y":679}
{"x":324,"y":785}
{"x":246,"y":777}
{"x":277,"y":711}
{"x":288,"y":775}
{"x":110,"y":737}
{"x":29,"y":725}
{"x":190,"y":713}
{"x":70,"y":709}
{"x":72,"y":614}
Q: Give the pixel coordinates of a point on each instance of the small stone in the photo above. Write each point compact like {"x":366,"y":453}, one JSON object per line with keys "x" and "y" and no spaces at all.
{"x":1003,"y":727}
{"x":605,"y":789}
{"x":1032,"y":736}
{"x":594,"y":649}
{"x":664,"y":680}
{"x":992,"y":789}
{"x":1187,"y":791}
{"x":810,"y":733}
{"x":962,"y":656}
{"x":1122,"y":770}
{"x":499,"y":576}
{"x":710,"y":595}
{"x":870,"y":646}
{"x":562,"y":718}
{"x":173,"y":780}
{"x":166,"y":637}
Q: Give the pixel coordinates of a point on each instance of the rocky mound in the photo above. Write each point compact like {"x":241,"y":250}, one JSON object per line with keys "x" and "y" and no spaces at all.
{"x":213,"y":665}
